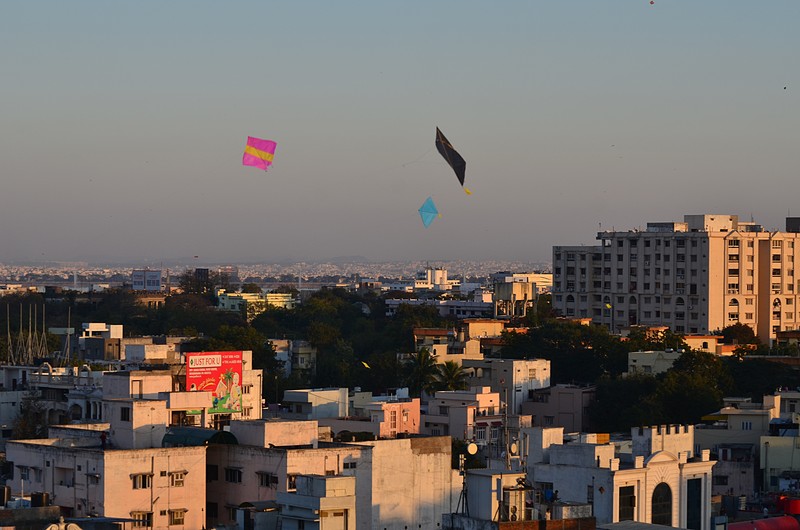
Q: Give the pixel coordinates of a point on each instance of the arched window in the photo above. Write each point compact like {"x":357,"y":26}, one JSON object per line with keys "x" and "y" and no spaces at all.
{"x":733,"y":302}
{"x":632,"y":300}
{"x":680,"y":301}
{"x":570,"y":299}
{"x":661,"y":506}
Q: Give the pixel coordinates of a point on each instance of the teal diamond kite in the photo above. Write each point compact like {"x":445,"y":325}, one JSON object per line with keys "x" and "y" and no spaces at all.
{"x":428,"y":212}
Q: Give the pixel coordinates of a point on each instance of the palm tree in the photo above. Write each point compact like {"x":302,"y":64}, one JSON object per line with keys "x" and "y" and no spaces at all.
{"x":421,"y":372}
{"x":451,"y":376}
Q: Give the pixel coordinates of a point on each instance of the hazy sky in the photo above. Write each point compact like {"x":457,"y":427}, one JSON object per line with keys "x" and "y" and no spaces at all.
{"x":122,"y":124}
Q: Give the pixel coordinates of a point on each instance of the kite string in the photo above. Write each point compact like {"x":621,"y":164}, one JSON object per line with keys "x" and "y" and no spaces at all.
{"x":418,"y":158}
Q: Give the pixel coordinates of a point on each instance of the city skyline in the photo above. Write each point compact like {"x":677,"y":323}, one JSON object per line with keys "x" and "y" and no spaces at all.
{"x":123,"y":128}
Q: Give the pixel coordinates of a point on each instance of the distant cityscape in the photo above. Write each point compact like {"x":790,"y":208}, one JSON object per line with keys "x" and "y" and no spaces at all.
{"x":84,"y":274}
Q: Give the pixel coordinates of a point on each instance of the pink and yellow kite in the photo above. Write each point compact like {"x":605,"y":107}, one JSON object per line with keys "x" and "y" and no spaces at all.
{"x":259,"y":153}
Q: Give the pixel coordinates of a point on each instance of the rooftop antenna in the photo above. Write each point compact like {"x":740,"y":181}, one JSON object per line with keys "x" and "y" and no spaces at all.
{"x":43,"y":348}
{"x":10,"y":355}
{"x":68,"y":341}
{"x":463,"y":498}
{"x":18,"y":354}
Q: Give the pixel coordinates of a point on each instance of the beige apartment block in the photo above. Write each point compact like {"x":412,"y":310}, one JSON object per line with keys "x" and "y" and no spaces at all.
{"x":161,"y":488}
{"x":696,"y":276}
{"x":400,"y":483}
{"x":474,"y":414}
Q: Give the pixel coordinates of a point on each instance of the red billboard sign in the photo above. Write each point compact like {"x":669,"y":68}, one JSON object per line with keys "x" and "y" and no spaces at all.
{"x":219,"y":373}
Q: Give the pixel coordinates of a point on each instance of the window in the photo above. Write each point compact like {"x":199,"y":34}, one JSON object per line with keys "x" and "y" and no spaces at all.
{"x":291,"y":482}
{"x":125,"y":414}
{"x":480,"y":433}
{"x":176,"y":517}
{"x":349,"y":465}
{"x":747,"y":425}
{"x":212,"y":510}
{"x":267,"y":480}
{"x":176,"y":479}
{"x":212,"y":472}
{"x":233,"y":474}
{"x":495,"y":433}
{"x":24,"y":472}
{"x":142,"y":519}
{"x":142,"y":481}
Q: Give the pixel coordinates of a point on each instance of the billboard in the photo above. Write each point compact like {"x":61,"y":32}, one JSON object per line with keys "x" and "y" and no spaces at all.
{"x":219,"y":373}
{"x":146,"y":280}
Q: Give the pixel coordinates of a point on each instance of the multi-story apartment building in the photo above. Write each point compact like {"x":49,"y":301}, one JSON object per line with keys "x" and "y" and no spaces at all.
{"x":701,"y":275}
{"x":250,"y":305}
{"x":514,"y":379}
{"x":474,"y":414}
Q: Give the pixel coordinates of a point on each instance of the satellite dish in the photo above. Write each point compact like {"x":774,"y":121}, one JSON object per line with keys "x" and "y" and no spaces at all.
{"x":513,"y":448}
{"x":472,"y":448}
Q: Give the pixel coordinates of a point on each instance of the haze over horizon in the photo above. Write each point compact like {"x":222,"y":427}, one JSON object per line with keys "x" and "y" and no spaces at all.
{"x":123,"y":125}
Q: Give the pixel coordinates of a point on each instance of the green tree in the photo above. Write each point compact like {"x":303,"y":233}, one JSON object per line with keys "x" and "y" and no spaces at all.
{"x":421,"y":370}
{"x":251,"y":288}
{"x":684,"y":397}
{"x":285,"y":288}
{"x":642,"y":339}
{"x":739,"y":334}
{"x":756,"y":377}
{"x":192,"y":283}
{"x":577,"y":353}
{"x":30,"y":422}
{"x":450,"y":376}
{"x":336,"y":365}
{"x":622,"y":403}
{"x":382,"y":374}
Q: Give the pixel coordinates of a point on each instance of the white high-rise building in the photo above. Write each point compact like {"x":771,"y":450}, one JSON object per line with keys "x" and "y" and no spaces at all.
{"x":698,"y":276}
